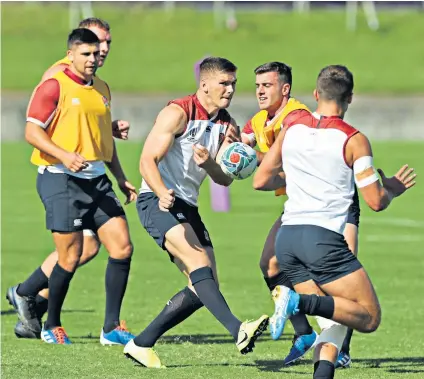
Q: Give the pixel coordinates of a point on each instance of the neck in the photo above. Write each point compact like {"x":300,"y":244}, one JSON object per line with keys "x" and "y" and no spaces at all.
{"x":211,"y":108}
{"x":86,"y":78}
{"x":330,"y":109}
{"x":277,"y":108}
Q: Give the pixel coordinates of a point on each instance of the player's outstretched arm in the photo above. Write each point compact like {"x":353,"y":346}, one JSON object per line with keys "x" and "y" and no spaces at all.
{"x":170,"y":122}
{"x":269,"y":175}
{"x":378,"y":197}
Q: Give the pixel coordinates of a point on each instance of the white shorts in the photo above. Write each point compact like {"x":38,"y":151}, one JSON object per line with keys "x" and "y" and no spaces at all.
{"x":89,"y":233}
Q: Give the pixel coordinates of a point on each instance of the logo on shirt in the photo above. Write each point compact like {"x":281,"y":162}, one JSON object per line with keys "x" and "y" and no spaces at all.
{"x":75,"y":101}
{"x":106,"y":102}
{"x":192,"y":134}
{"x":209,"y":128}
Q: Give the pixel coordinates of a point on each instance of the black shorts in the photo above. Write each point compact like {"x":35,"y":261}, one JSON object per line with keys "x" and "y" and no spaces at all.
{"x":158,"y":223}
{"x":354,"y":210}
{"x":306,"y":252}
{"x":73,"y":204}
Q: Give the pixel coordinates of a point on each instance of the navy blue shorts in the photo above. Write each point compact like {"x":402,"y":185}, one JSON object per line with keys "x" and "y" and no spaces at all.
{"x":309,"y":252}
{"x":73,"y":204}
{"x":157,"y":223}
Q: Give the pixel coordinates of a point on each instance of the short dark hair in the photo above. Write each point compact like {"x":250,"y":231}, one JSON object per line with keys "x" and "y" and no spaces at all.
{"x":82,"y":36}
{"x":94,"y":21}
{"x":335,"y":83}
{"x":212,"y":64}
{"x":284,"y":71}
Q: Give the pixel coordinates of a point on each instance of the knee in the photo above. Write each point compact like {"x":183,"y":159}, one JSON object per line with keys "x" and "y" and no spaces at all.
{"x":127,"y":250}
{"x":374,"y":321}
{"x":124,"y":252}
{"x":70,"y":262}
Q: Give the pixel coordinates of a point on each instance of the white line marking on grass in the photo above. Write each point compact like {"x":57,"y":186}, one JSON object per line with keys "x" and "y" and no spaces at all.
{"x":393,"y":221}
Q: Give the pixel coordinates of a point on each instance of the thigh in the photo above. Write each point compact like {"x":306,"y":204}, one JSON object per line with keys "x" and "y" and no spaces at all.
{"x":65,"y":202}
{"x":356,"y":287}
{"x":156,"y":222}
{"x":114,"y":235}
{"x":182,"y":267}
{"x":326,"y":254}
{"x":269,"y":247}
{"x":287,"y":250}
{"x":181,"y":241}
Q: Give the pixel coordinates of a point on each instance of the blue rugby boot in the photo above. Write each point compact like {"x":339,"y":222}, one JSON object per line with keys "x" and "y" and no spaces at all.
{"x":118,"y":336}
{"x":301,"y":345}
{"x":56,"y":335}
{"x":286,"y":305}
{"x":343,"y":360}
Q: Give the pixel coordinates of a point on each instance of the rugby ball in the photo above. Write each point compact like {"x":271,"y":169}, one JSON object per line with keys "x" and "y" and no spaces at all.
{"x":238,"y":161}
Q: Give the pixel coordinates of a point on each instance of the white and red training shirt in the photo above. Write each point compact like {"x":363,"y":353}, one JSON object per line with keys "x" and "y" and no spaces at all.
{"x":320,"y":184}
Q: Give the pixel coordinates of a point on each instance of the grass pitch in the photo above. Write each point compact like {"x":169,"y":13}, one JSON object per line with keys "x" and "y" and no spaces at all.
{"x":390,"y":248}
{"x":154,"y":52}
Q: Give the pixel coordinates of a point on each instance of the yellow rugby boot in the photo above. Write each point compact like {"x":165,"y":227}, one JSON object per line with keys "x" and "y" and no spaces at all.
{"x":146,"y":356}
{"x":249,"y":332}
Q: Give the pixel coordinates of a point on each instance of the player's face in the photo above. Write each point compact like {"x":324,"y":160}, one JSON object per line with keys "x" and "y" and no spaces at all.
{"x":220,"y":88}
{"x":85,"y":59}
{"x":270,"y":90}
{"x":105,"y":42}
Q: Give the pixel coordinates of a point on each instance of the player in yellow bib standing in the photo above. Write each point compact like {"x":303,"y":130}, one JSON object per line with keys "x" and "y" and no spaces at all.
{"x":69,"y":124}
{"x":39,"y":279}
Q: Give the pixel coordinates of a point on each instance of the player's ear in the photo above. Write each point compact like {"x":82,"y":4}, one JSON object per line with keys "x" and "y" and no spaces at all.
{"x":70,"y":55}
{"x":316,"y":95}
{"x":286,"y":89}
{"x":204,"y":85}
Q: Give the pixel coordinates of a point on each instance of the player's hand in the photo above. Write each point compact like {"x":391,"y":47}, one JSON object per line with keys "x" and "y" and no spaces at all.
{"x":201,"y":155}
{"x":232,"y":136}
{"x":74,"y":162}
{"x":166,"y":201}
{"x":120,"y":129}
{"x":398,"y":184}
{"x":128,"y":190}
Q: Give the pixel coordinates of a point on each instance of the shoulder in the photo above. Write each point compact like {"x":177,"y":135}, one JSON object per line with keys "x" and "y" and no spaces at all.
{"x":298,"y":116}
{"x":343,"y":126}
{"x":185,"y":103}
{"x":102,"y":86}
{"x":49,"y":87}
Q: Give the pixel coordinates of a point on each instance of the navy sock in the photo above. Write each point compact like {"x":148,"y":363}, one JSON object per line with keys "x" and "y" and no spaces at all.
{"x":323,"y":370}
{"x":346,"y":342}
{"x":41,"y":304}
{"x":315,"y":305}
{"x":36,"y":282}
{"x":180,"y":307}
{"x":58,"y":288}
{"x":116,"y":280}
{"x":209,"y":294}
